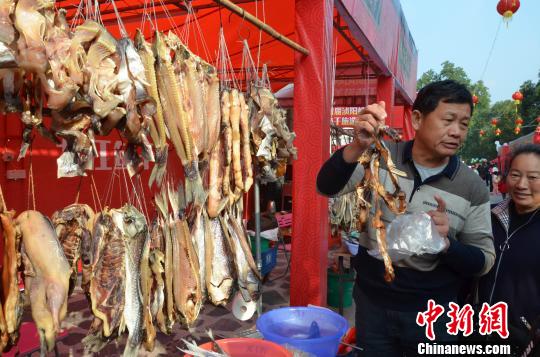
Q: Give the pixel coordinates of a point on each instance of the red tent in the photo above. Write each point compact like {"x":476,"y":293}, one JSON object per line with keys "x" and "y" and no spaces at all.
{"x":376,"y":60}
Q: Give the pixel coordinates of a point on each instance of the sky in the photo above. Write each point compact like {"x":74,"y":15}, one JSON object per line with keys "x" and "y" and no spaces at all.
{"x":462,"y":32}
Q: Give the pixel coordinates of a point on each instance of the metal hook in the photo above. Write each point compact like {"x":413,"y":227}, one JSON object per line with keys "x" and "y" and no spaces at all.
{"x":240,"y":28}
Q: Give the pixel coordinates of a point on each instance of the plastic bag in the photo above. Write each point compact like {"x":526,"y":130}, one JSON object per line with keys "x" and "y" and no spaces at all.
{"x":411,"y":234}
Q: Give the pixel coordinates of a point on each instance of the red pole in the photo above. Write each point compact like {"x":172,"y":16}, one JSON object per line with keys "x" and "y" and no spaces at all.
{"x":312,"y":126}
{"x":385,"y":92}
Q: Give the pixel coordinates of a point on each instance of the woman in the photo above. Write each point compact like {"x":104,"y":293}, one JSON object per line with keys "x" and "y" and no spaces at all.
{"x":515,"y":277}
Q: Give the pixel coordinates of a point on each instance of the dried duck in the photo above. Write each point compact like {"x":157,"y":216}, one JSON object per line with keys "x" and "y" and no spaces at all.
{"x":46,"y":275}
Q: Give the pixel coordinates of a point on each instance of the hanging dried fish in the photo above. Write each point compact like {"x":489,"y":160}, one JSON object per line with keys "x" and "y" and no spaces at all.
{"x":219,"y":264}
{"x":245,"y":143}
{"x":73,"y":226}
{"x":227,"y":142}
{"x":187,"y":289}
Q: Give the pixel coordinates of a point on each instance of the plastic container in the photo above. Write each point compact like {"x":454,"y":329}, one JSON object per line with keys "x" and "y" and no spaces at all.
{"x":248,"y":347}
{"x":310,"y":329}
{"x":265,"y":245}
{"x":347,"y":282}
{"x":268,"y":260}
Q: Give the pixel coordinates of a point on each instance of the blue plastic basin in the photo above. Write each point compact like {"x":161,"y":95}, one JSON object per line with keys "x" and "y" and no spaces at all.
{"x":310,"y":329}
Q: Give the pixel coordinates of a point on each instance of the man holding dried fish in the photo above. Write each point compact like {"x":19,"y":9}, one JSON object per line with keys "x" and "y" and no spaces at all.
{"x":427,"y":177}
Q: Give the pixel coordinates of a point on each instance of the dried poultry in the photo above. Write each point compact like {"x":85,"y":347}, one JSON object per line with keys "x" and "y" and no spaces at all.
{"x":11,"y":309}
{"x":272,"y":139}
{"x":46,"y":275}
{"x":370,"y":191}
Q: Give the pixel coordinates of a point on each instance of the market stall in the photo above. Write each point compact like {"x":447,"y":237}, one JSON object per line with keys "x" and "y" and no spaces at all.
{"x":109,"y":142}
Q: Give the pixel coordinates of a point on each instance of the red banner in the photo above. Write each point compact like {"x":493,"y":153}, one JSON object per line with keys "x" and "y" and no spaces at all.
{"x":381,"y":28}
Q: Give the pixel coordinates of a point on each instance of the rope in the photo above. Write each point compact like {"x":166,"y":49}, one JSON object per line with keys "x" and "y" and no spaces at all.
{"x":94,"y":187}
{"x":32,"y":183}
{"x":121,"y":26}
{"x":93,"y":198}
{"x":260,"y":29}
{"x":78,"y":190}
{"x":145,"y":205}
{"x":189,"y":6}
{"x":167,"y":14}
{"x":3,"y":208}
{"x":491,"y":50}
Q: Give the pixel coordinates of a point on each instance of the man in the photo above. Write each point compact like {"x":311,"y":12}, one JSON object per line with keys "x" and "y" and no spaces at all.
{"x":438,"y":183}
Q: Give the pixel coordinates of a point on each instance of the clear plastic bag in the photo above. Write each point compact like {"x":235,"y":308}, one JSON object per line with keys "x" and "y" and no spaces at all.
{"x":411,"y":234}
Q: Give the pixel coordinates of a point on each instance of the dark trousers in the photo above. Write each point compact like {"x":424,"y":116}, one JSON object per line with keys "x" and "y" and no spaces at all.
{"x":388,"y":333}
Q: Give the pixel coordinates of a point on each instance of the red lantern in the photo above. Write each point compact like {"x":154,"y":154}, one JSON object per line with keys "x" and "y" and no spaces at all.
{"x":507,"y":8}
{"x":482,"y":133}
{"x":474,"y":99}
{"x":517,"y":130}
{"x":536,"y":137}
{"x":519,"y":121}
{"x":538,"y":120}
{"x":494,"y":122}
{"x":498,"y":132}
{"x":517,"y":97}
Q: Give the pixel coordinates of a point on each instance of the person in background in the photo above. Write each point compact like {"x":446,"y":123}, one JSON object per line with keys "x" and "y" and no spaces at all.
{"x":503,"y":188}
{"x":437,"y":183}
{"x":515,"y":279}
{"x":496,"y":180}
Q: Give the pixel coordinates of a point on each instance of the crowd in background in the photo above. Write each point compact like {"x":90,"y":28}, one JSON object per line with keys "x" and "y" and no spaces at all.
{"x":493,"y":177}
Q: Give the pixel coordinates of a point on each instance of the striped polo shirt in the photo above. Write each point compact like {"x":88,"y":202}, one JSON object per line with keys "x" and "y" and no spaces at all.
{"x":420,"y":277}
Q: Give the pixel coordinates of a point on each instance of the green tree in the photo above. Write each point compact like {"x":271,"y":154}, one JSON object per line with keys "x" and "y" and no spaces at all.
{"x":473,"y":147}
{"x":530,"y":106}
{"x":448,"y":71}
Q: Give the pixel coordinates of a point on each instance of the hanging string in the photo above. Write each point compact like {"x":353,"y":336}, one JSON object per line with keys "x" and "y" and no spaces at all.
{"x":78,"y":190}
{"x":200,"y":32}
{"x":144,"y":16}
{"x":94,"y":188}
{"x":121,"y":26}
{"x":168,"y":15}
{"x":31,"y":188}
{"x":248,"y":68}
{"x":109,"y":193}
{"x":78,"y":15}
{"x":260,"y":33}
{"x":2,"y":201}
{"x":491,"y":50}
{"x":144,"y":206}
{"x":224,"y":64}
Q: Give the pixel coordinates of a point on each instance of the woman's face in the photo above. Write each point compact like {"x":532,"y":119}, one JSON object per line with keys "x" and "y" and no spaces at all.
{"x":524,"y":182}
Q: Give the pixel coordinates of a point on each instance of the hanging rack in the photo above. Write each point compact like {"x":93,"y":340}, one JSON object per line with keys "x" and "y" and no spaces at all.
{"x":261,"y":25}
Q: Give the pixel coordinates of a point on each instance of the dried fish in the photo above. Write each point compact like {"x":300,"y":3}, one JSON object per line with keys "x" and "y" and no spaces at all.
{"x":72,"y":225}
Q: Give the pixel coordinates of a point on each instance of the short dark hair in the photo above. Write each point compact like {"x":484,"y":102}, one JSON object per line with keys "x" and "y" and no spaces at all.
{"x":523,"y":150}
{"x":447,"y":91}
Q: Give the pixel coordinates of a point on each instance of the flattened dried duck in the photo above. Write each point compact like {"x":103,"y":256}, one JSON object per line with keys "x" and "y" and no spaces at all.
{"x":46,"y":275}
{"x":370,"y":191}
{"x":11,"y":298}
{"x":73,"y":226}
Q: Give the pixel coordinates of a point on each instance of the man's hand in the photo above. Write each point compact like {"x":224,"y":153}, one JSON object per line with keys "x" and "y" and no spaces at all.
{"x":440,"y":218}
{"x":369,"y":120}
